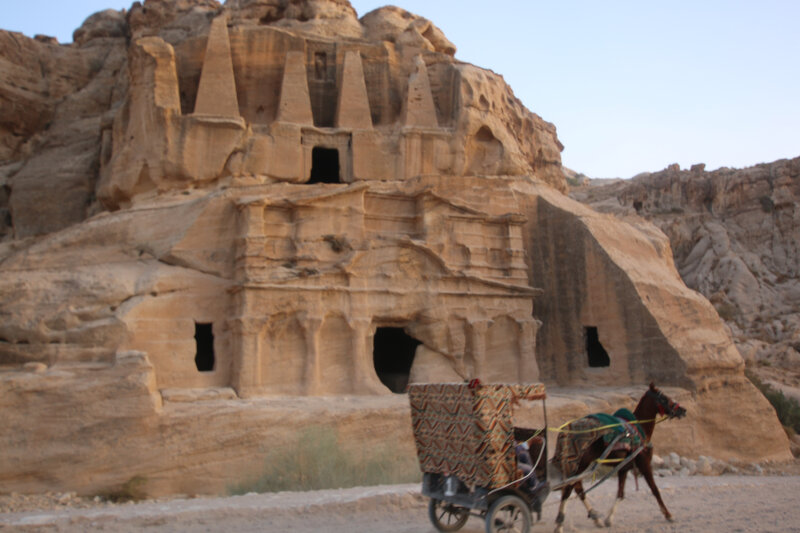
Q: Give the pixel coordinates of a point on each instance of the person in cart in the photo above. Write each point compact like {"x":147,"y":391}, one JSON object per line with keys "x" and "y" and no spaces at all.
{"x":525,"y":464}
{"x":523,"y":451}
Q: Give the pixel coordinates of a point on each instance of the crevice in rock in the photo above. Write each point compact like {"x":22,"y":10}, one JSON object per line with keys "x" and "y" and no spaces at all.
{"x":173,"y":261}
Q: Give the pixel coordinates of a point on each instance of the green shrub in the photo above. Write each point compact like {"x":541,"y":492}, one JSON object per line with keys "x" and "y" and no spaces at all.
{"x":726,"y":311}
{"x":767,"y":205}
{"x":788,"y":409}
{"x":132,"y":490}
{"x":316,"y":461}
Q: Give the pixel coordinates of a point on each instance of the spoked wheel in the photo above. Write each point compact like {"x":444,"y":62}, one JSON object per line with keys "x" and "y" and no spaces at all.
{"x":446,"y":516}
{"x":508,"y":514}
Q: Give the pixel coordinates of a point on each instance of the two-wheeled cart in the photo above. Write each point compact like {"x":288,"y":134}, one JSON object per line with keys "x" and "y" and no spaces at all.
{"x":466,"y":444}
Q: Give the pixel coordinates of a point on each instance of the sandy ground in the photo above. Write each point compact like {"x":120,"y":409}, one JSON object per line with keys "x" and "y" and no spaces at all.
{"x":699,"y":504}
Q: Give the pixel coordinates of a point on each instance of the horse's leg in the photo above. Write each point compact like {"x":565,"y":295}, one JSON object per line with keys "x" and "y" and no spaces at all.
{"x":622,"y":475}
{"x":646,"y":469}
{"x":565,"y":493}
{"x":594,"y":515}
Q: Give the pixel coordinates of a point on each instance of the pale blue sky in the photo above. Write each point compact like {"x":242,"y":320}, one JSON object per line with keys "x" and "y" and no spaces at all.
{"x":631,"y":85}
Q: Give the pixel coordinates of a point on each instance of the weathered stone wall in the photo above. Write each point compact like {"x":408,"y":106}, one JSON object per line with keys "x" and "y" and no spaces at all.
{"x":54,"y":101}
{"x":585,"y":288}
{"x":735,"y":236}
{"x":622,"y":281}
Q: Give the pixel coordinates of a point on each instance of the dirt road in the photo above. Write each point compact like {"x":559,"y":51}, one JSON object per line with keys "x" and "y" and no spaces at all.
{"x":700,"y":504}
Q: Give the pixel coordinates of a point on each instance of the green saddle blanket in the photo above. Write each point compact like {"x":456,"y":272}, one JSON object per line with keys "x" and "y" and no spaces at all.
{"x":622,"y":421}
{"x":576,"y":437}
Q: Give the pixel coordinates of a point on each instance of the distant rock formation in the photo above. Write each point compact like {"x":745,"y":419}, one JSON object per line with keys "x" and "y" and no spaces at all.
{"x":735,"y":234}
{"x":212,"y":215}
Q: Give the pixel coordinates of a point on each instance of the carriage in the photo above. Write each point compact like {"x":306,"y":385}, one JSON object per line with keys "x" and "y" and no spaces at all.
{"x":468,"y":452}
{"x":466,"y":443}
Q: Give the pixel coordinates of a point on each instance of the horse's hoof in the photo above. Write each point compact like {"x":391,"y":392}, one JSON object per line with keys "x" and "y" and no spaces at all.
{"x":608,"y":522}
{"x":669,"y":518}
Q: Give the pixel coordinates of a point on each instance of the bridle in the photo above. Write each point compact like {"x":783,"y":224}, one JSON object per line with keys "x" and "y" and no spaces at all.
{"x":665,"y":406}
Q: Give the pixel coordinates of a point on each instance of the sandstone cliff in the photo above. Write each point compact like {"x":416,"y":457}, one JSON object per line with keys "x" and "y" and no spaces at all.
{"x":223,"y":223}
{"x":59,"y":102}
{"x":735,"y":234}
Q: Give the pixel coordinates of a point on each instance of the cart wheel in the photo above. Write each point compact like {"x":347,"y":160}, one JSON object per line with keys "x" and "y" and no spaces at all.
{"x":508,"y":514}
{"x":446,"y":516}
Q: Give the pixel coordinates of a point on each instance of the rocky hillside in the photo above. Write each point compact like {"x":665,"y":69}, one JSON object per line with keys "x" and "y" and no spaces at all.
{"x":735,"y":236}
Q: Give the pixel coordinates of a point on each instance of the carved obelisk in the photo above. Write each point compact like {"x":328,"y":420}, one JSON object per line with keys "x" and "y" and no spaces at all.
{"x":216,"y":94}
{"x":353,"y":109}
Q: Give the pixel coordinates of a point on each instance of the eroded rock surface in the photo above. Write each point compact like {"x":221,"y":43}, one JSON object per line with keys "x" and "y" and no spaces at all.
{"x":735,"y":235}
{"x":211,"y":213}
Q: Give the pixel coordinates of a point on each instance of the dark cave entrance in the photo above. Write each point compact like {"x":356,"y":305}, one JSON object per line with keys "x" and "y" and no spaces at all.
{"x":204,"y":339}
{"x":598,"y":357}
{"x":393,"y":354}
{"x":325,"y":166}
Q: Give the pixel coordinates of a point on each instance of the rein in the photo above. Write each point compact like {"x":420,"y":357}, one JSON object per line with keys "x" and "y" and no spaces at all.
{"x":561,"y":429}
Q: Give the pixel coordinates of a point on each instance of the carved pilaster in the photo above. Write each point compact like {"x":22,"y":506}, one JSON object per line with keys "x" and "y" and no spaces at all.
{"x":247,"y":353}
{"x":313,"y":376}
{"x":250,"y":239}
{"x":477,"y":346}
{"x":528,"y":368}
{"x":365,"y":379}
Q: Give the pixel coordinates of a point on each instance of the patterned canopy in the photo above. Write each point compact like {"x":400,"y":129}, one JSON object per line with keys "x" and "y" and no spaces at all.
{"x":467,"y":431}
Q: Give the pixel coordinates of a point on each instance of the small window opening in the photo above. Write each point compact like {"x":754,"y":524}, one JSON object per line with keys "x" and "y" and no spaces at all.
{"x":598,"y":357}
{"x":324,"y":165}
{"x":5,"y":220}
{"x":393,"y":354}
{"x":204,"y":338}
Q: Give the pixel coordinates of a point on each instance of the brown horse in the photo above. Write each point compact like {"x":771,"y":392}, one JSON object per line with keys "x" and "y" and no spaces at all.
{"x":652,"y":403}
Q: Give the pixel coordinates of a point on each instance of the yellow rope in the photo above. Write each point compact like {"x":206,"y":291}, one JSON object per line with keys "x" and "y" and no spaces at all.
{"x":561,"y":429}
{"x":538,"y":432}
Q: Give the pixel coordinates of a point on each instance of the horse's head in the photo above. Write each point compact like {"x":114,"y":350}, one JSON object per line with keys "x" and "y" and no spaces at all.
{"x":664,"y":404}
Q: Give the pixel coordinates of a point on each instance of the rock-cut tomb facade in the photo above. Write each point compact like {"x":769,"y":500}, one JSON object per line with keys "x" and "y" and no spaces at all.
{"x":347,"y":259}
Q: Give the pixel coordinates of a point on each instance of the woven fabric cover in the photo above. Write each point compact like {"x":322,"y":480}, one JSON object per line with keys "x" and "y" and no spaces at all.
{"x":468,"y":432}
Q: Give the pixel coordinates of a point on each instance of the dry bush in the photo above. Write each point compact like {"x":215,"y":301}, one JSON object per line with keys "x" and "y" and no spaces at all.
{"x":316,"y":461}
{"x":788,"y":409}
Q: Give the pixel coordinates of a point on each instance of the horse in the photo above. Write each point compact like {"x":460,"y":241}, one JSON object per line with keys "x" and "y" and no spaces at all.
{"x":653,"y":402}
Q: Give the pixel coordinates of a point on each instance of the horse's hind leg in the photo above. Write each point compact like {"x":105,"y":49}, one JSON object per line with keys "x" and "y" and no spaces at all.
{"x":565,"y":492}
{"x":593,"y":515}
{"x":621,"y":476}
